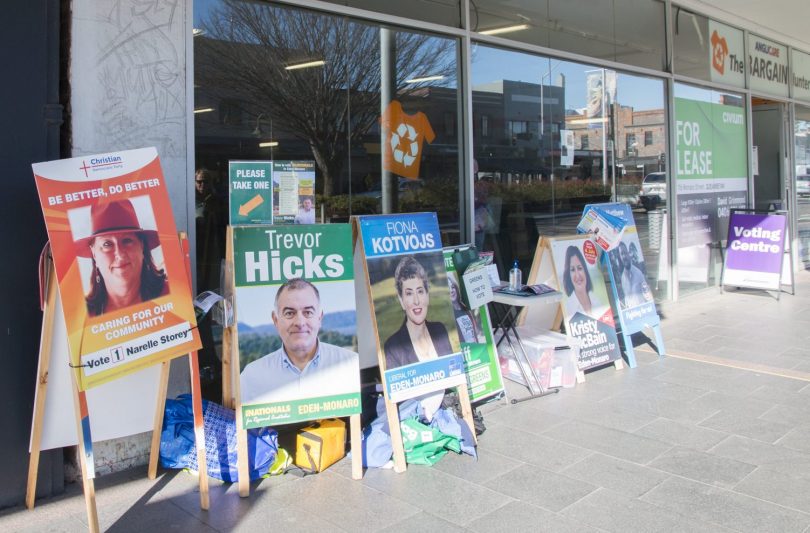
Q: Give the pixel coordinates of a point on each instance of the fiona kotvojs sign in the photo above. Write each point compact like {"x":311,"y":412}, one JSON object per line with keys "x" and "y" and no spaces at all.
{"x":755,"y":249}
{"x":122,"y":275}
{"x":296,"y":320}
{"x":586,"y":307}
{"x":411,"y":300}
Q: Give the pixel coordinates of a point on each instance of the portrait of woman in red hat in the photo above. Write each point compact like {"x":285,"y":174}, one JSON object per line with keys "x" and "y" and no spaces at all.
{"x":124,"y":272}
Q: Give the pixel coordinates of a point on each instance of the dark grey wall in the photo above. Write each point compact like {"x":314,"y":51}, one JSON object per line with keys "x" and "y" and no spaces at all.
{"x":29,"y":53}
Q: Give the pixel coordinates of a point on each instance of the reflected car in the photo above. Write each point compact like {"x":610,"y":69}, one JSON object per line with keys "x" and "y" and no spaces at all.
{"x":803,"y":185}
{"x":653,"y":190}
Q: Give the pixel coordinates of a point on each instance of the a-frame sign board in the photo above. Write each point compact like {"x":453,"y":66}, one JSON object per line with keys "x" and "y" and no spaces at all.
{"x":757,"y":252}
{"x":584,"y":307}
{"x":384,"y":243}
{"x":628,"y":282}
{"x":260,"y":259}
{"x":82,"y":414}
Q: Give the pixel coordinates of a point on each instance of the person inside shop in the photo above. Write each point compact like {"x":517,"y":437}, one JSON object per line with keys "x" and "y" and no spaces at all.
{"x":633,"y":282}
{"x":123,"y":272}
{"x":306,"y":213}
{"x":578,"y":286}
{"x":303,"y":367}
{"x":417,"y":339}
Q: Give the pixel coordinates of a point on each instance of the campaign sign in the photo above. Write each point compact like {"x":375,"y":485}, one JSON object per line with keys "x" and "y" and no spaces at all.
{"x":754,"y":252}
{"x":628,"y":273}
{"x":294,"y":192}
{"x":412,"y":307}
{"x":475,"y":333}
{"x":586,"y":307}
{"x":122,"y":275}
{"x":296,"y":323}
{"x":250,"y":192}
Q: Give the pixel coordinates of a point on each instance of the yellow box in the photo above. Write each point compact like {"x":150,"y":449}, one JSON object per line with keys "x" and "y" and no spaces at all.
{"x":320,"y":445}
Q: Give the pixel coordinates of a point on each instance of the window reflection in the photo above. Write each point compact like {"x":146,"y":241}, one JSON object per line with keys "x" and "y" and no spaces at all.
{"x":562,"y":135}
{"x":290,"y":84}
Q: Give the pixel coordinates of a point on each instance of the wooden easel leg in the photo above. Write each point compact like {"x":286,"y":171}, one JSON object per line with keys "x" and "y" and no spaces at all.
{"x":580,"y":376}
{"x":199,"y":428}
{"x":357,"y":447}
{"x":396,"y":436}
{"x":466,"y":409}
{"x":618,"y":364}
{"x":242,"y":465}
{"x":157,"y":428}
{"x":85,"y":448}
{"x":630,"y":351}
{"x":42,"y":385}
{"x":227,"y":368}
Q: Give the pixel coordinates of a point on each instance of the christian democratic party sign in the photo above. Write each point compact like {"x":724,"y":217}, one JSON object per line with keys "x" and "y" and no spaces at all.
{"x":755,"y":250}
{"x":297,"y":356}
{"x":122,"y":275}
{"x":412,"y":309}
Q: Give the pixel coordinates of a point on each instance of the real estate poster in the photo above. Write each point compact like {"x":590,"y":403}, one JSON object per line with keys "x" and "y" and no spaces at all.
{"x":122,"y":275}
{"x":586,"y":307}
{"x":711,"y":169}
{"x":250,"y":192}
{"x":475,"y":334}
{"x":294,"y":192}
{"x":754,"y":252}
{"x":628,"y":273}
{"x":296,"y":323}
{"x":411,"y":304}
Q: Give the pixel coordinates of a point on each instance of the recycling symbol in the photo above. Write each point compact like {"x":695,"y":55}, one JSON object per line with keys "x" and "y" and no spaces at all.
{"x":404,"y":145}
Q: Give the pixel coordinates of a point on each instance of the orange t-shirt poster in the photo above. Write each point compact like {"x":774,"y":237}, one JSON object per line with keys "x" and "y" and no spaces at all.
{"x":122,"y":274}
{"x":404,"y":138}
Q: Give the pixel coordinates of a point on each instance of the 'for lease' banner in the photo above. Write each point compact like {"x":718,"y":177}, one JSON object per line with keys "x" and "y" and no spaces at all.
{"x":122,"y":276}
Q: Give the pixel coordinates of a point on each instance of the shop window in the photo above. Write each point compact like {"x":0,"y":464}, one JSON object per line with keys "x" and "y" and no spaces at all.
{"x":626,"y":31}
{"x":446,"y":12}
{"x":527,"y":187}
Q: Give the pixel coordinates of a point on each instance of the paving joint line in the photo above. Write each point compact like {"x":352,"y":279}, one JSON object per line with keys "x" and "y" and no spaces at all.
{"x":731,"y":363}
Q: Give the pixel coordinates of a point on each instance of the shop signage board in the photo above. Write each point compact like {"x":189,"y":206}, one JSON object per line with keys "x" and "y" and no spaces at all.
{"x":711,"y":170}
{"x":628,"y":279}
{"x":474,"y":327}
{"x":755,"y":250}
{"x":295,"y":329}
{"x":126,"y":296}
{"x":726,"y":54}
{"x":250,"y":192}
{"x":405,"y":284}
{"x":768,"y":68}
{"x":800,"y":75}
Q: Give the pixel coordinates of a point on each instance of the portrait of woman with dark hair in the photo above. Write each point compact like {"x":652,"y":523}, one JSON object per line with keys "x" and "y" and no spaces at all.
{"x":124,"y":272}
{"x":578,"y":286}
{"x":417,"y":339}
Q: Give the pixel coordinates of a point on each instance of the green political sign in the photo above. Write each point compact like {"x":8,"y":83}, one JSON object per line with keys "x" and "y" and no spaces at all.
{"x":250,"y":192}
{"x":481,"y":362}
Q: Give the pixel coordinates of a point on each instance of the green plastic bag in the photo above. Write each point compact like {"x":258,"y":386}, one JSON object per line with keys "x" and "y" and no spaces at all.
{"x":425,"y":445}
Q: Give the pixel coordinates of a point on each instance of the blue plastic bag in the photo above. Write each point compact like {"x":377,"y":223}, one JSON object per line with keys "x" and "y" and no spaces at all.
{"x":177,"y":448}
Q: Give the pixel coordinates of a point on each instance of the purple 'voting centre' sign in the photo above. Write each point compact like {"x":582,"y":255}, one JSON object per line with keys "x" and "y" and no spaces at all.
{"x":755,"y":249}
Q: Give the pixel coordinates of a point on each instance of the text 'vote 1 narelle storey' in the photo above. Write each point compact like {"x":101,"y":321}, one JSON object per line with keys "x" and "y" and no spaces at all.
{"x":296,"y":323}
{"x":755,"y":250}
{"x":411,"y":300}
{"x":122,"y":274}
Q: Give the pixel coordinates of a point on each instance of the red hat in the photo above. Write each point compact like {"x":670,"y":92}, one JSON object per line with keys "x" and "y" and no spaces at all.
{"x":114,"y":217}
